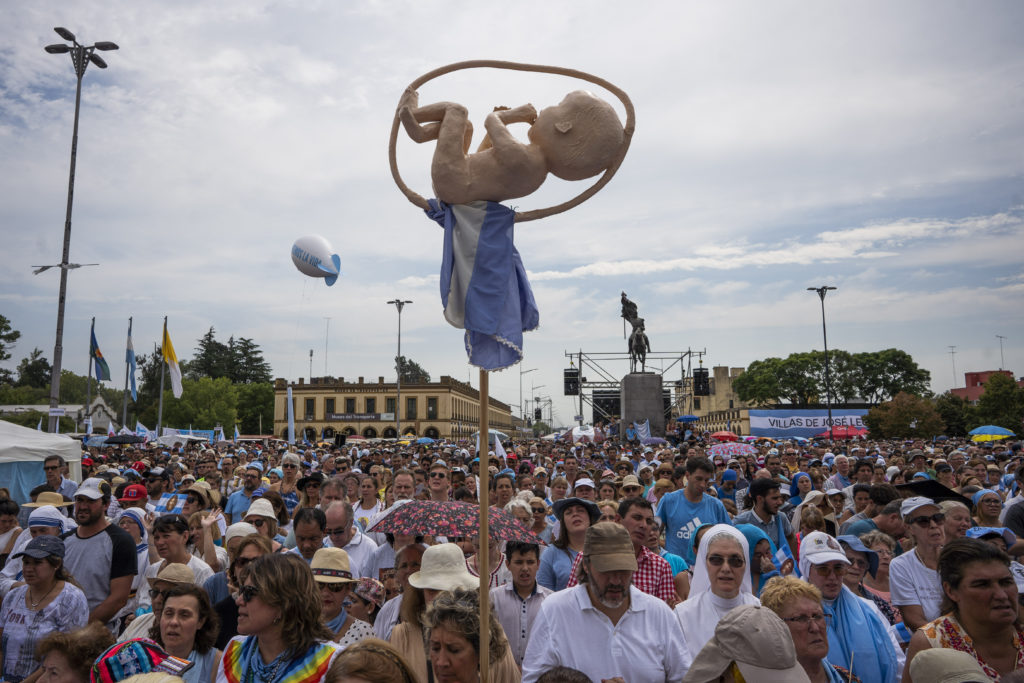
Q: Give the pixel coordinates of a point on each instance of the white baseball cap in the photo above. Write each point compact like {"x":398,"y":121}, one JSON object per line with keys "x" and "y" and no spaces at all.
{"x":819,"y":548}
{"x":909,"y":505}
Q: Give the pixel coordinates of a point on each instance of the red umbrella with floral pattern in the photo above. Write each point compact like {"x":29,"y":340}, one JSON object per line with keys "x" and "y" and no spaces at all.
{"x":450,"y":518}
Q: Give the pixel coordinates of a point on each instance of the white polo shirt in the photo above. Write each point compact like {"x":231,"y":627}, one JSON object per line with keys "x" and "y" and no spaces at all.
{"x":646,"y":646}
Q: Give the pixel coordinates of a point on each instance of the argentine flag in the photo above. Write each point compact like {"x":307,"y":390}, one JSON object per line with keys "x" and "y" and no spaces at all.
{"x":236,"y":434}
{"x":129,"y":358}
{"x":484,"y":289}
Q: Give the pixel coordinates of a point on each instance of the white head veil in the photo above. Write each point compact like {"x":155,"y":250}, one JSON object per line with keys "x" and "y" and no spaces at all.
{"x":701,"y":581}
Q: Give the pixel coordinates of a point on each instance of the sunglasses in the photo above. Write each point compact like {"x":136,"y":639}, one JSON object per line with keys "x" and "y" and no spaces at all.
{"x":258,"y":523}
{"x":289,"y":466}
{"x":51,"y":468}
{"x":242,"y":561}
{"x":438,"y":475}
{"x":735,"y":561}
{"x":825,"y":570}
{"x":193,"y":499}
{"x":925,"y":520}
{"x":154,"y":593}
{"x":335,"y":532}
{"x":538,"y":511}
{"x":333,"y":587}
{"x":247,"y":593}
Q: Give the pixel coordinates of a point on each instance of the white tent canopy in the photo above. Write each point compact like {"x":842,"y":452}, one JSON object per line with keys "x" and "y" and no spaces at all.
{"x":22,"y":451}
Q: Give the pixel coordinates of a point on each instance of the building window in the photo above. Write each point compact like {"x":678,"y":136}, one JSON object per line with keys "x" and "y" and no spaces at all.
{"x":730,"y":403}
{"x":410,"y":408}
{"x":371,"y":405}
{"x":696,"y":403}
{"x":328,"y":406}
{"x":350,"y":405}
{"x":431,"y":407}
{"x":310,"y":408}
{"x":389,"y":405}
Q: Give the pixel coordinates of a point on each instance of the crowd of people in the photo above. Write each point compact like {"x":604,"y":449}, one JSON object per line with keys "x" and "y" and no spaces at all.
{"x":783,"y":560}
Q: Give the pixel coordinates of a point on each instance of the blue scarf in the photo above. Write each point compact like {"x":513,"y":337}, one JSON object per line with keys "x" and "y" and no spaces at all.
{"x":337,"y":622}
{"x":794,"y":491}
{"x":754,"y":536}
{"x":856,"y":633}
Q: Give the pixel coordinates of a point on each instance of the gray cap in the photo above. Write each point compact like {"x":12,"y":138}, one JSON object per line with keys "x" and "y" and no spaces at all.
{"x":43,"y":546}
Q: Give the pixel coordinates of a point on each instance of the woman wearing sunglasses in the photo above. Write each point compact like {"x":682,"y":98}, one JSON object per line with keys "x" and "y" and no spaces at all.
{"x":261,"y":515}
{"x":857,"y":632}
{"x":283,"y":636}
{"x":914,"y":576}
{"x":720,"y":583}
{"x":334,"y":583}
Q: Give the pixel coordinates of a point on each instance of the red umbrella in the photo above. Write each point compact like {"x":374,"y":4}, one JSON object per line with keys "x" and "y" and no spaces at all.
{"x":725,"y":436}
{"x":842,"y":432}
{"x":451,"y":518}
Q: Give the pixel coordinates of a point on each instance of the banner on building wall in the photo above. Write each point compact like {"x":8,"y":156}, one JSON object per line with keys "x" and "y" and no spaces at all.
{"x":805,"y":423}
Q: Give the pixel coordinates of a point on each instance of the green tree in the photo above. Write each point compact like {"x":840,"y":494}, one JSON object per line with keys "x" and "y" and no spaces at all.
{"x":411,"y":371}
{"x":255,"y":401}
{"x":31,"y":419}
{"x":34,"y":371}
{"x":1001,"y":404}
{"x":540,"y":428}
{"x":883,"y":374}
{"x":759,"y":384}
{"x":213,"y":359}
{"x":955,"y":413}
{"x":906,"y":415}
{"x":8,"y":338}
{"x":247,"y":363}
{"x":204,"y":404}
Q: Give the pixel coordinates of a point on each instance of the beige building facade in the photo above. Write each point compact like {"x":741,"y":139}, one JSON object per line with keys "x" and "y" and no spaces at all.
{"x":330,"y":406}
{"x":721,"y":409}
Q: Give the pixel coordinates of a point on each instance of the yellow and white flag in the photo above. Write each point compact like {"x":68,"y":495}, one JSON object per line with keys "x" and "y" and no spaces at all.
{"x":172,"y":364}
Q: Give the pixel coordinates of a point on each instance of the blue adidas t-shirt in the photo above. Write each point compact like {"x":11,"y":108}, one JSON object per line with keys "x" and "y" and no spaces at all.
{"x":681,"y":518}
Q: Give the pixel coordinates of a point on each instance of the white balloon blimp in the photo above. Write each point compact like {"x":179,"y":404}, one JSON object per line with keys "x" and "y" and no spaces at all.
{"x":314,"y":256}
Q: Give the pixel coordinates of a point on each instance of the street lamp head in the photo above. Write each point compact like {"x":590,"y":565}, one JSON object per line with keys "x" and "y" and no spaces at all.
{"x":64,"y":33}
{"x":97,"y":60}
{"x":57,"y":48}
{"x":106,"y":45}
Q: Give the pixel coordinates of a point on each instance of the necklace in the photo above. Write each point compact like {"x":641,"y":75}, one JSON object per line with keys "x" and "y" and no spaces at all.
{"x":35,"y":604}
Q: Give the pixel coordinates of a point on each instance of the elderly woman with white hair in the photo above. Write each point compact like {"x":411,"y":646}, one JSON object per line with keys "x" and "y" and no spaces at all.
{"x":721,"y":582}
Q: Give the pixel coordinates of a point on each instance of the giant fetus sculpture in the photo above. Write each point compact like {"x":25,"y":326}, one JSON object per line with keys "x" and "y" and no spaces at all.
{"x":483,"y":282}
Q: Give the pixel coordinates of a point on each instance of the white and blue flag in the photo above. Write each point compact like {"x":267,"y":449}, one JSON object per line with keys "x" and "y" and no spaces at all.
{"x":484,"y":289}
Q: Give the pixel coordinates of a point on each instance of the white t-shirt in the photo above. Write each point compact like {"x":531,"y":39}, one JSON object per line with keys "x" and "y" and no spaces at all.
{"x":912,"y":583}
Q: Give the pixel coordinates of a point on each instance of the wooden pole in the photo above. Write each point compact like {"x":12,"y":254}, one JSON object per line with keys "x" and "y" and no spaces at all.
{"x":483,"y":556}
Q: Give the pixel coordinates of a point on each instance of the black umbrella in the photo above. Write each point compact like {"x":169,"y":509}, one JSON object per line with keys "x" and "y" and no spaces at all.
{"x":124,"y":438}
{"x":929,"y":488}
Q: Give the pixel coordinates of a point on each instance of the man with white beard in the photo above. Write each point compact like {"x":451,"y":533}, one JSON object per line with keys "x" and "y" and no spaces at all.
{"x":647,"y":646}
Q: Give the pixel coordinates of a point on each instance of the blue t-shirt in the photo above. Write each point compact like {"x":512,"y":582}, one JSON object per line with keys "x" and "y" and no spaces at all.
{"x":681,"y":519}
{"x":238,"y":505}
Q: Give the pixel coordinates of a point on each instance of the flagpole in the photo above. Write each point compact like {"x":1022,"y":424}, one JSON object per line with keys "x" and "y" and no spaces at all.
{"x":160,"y":408}
{"x":124,"y":412}
{"x":88,"y":381}
{"x":483,"y":556}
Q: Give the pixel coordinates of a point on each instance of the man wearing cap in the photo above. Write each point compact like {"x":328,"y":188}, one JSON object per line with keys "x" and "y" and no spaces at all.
{"x":914,"y":581}
{"x":653,"y":574}
{"x":100,"y":555}
{"x":135,"y":496}
{"x":239,"y":501}
{"x":158,"y":482}
{"x":683,"y":511}
{"x":857,"y":631}
{"x":606,"y":627}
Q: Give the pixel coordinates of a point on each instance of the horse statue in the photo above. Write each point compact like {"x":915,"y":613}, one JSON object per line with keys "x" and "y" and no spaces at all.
{"x":639,"y":345}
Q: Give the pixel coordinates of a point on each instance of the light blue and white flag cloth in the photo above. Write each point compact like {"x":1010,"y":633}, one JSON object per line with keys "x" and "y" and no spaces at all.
{"x":643,"y":430}
{"x":484,"y":289}
{"x":236,"y":434}
{"x":129,"y":357}
{"x":39,"y":427}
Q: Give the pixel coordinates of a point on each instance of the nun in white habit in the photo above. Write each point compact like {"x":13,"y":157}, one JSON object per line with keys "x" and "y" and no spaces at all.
{"x":721,"y":582}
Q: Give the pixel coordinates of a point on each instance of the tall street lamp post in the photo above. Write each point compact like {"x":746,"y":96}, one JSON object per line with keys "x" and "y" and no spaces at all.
{"x":521,"y":373}
{"x":399,"y":304}
{"x":822,"y":291}
{"x":80,"y":58}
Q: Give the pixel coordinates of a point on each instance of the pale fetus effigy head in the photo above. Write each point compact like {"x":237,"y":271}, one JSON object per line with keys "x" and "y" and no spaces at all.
{"x":580,"y":136}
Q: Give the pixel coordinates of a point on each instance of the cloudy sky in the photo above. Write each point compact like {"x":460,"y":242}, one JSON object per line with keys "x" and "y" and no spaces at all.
{"x":870,"y":146}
